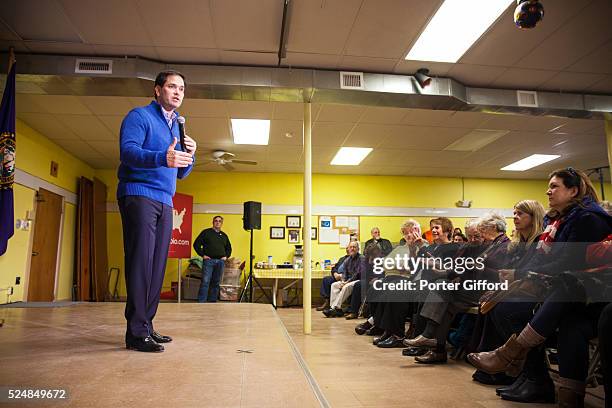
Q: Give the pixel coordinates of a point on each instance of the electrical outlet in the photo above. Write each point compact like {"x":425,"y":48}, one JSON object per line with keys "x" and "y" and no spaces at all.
{"x":17,"y":280}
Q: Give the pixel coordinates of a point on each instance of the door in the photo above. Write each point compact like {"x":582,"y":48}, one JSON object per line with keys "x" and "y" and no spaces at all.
{"x":41,"y":282}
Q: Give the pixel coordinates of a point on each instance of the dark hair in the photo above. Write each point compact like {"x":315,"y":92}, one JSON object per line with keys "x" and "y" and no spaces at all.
{"x":217,"y":216}
{"x":458,"y":234}
{"x":576,"y":178}
{"x":162,"y":77}
{"x":372,"y":251}
{"x":445,"y":223}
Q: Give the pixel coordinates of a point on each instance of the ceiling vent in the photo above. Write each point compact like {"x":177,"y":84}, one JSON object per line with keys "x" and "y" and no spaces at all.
{"x":528,"y":99}
{"x":351,"y":80}
{"x":93,"y":66}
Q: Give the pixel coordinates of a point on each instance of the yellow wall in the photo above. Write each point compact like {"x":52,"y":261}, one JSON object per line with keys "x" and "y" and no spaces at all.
{"x":34,"y":155}
{"x":337,"y":190}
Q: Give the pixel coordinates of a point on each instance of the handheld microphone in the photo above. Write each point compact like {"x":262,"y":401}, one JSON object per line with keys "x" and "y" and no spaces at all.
{"x":181,"y":125}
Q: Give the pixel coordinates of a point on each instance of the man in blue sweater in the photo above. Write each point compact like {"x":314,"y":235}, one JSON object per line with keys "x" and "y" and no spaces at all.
{"x":151,"y":161}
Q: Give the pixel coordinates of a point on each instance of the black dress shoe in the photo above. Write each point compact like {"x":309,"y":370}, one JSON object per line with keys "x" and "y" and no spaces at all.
{"x":492,"y":379}
{"x":145,"y":344}
{"x":361,"y":328}
{"x":532,"y":391}
{"x":391,"y":342}
{"x":327,"y":312}
{"x":519,"y":380}
{"x":382,"y":337}
{"x":375,"y":331}
{"x":413,"y":351}
{"x":160,"y":338}
{"x":432,"y":357}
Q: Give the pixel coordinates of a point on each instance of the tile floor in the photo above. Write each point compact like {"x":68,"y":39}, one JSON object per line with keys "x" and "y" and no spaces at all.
{"x":80,"y":348}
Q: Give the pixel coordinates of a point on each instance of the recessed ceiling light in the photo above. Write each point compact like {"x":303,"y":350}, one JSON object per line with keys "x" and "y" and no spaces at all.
{"x":289,"y":135}
{"x":251,"y":131}
{"x":530,"y":162}
{"x":476,"y":140}
{"x":454,"y":28}
{"x":350,"y":156}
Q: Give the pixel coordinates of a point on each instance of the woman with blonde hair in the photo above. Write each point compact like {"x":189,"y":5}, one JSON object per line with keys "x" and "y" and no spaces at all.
{"x":574,"y":220}
{"x":510,"y":316}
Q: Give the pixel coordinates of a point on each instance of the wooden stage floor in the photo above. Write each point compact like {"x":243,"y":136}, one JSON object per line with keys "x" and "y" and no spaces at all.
{"x":223,"y":355}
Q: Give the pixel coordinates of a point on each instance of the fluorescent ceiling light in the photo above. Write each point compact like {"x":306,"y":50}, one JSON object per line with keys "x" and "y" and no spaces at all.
{"x":476,"y":140}
{"x":251,"y":131}
{"x":530,"y":162}
{"x":454,"y":28}
{"x":350,"y":156}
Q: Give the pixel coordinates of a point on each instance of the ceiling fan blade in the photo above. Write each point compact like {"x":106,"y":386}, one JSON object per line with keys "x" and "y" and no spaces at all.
{"x":251,"y":162}
{"x":228,"y":167}
{"x":227,"y":156}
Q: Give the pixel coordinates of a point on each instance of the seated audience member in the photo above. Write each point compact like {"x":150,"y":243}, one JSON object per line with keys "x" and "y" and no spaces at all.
{"x":459,"y":238}
{"x":427,"y":235}
{"x":391,"y":316}
{"x":600,"y":256}
{"x":574,"y":220}
{"x":371,"y":252}
{"x":413,"y":243}
{"x":384,"y":244}
{"x":336,"y":275}
{"x":511,"y":314}
{"x":440,"y":307}
{"x":354,"y":267}
{"x":472,"y":233}
{"x":605,"y":344}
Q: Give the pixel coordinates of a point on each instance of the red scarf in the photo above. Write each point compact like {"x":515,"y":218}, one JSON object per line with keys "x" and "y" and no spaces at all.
{"x":548,"y":237}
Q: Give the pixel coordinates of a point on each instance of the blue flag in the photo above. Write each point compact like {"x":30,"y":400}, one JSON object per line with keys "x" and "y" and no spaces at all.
{"x":7,"y":159}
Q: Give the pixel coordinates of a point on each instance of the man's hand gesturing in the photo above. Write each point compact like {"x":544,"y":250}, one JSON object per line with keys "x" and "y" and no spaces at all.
{"x":176,"y":158}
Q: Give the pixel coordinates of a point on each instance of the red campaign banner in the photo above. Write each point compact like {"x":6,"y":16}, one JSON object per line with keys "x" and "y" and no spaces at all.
{"x":182,"y":212}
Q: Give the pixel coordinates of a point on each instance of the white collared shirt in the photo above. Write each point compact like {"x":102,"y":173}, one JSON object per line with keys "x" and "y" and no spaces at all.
{"x":169,"y":115}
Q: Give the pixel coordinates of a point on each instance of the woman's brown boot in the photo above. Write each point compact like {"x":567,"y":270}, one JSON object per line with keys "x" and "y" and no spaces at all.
{"x":510,"y":357}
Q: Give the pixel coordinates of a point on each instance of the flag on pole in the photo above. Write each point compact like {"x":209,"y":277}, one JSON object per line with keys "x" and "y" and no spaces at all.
{"x":7,"y":156}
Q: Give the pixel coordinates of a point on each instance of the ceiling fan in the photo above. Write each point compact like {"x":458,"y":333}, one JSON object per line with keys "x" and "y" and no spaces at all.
{"x":225,"y":159}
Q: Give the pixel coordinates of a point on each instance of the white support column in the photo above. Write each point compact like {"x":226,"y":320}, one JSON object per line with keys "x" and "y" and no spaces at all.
{"x":307,"y":282}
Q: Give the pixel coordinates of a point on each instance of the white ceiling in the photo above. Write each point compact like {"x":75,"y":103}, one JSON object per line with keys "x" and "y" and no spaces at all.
{"x":569,"y":51}
{"x":405,"y":141}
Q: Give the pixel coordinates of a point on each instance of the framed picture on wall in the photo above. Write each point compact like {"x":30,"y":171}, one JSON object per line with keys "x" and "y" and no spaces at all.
{"x":277,"y":232}
{"x":313,"y":233}
{"x":294,"y":221}
{"x":294,"y":236}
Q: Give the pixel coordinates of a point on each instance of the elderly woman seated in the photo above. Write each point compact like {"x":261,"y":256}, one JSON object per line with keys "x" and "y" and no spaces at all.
{"x":441,"y":306}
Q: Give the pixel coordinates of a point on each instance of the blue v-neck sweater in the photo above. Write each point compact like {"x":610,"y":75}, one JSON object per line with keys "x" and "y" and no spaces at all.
{"x":144,"y":140}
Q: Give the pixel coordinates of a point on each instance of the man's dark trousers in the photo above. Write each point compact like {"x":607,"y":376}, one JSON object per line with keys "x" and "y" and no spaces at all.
{"x":147,"y":229}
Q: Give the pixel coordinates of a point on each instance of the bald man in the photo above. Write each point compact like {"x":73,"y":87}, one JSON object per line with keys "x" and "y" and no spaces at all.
{"x":384,"y":244}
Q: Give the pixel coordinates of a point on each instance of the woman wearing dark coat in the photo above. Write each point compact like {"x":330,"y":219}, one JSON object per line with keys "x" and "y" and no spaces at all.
{"x":575,"y":219}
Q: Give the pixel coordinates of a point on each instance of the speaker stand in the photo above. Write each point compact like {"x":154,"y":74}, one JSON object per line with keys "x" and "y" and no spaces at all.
{"x":249,"y":282}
